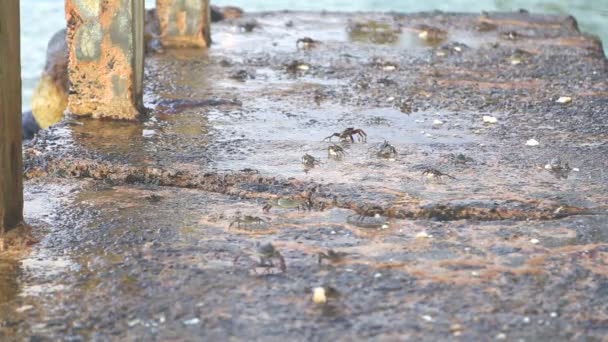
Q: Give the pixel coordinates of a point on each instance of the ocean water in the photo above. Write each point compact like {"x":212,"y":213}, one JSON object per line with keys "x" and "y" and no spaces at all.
{"x":40,"y":19}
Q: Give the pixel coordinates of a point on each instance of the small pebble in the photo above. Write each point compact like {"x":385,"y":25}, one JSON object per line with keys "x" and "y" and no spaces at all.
{"x":133,"y":323}
{"x":501,"y":336}
{"x":422,"y":235}
{"x":489,"y":119}
{"x":553,"y":314}
{"x":427,"y":318}
{"x":532,"y":142}
{"x":526,"y":320}
{"x":437,"y":122}
{"x":564,"y":100}
{"x":576,"y":169}
{"x":534,"y":241}
{"x":456,"y":328}
{"x":377,"y":275}
{"x":192,"y":321}
{"x":318,"y":296}
{"x":24,"y":308}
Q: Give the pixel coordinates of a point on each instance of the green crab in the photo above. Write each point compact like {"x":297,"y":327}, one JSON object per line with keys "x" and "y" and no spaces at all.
{"x":247,"y":220}
{"x":310,"y":161}
{"x":332,"y":256}
{"x":386,"y":151}
{"x":335,"y":152}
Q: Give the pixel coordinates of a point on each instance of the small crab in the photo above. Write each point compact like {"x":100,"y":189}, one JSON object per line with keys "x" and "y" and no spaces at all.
{"x":288,"y":203}
{"x":266,"y":253}
{"x":369,"y":217}
{"x":348,"y":134}
{"x":298,"y":67}
{"x":485,"y":26}
{"x":460,"y":159}
{"x":519,"y":56}
{"x":436,"y":174}
{"x":431,"y":34}
{"x":319,"y":96}
{"x":332,"y":256}
{"x":386,"y":151}
{"x":558,"y":168}
{"x":310,"y":161}
{"x":154,"y":198}
{"x":335,"y":152}
{"x":247,"y":220}
{"x":306,"y":43}
{"x":248,"y":26}
{"x":511,"y":35}
{"x":242,"y":76}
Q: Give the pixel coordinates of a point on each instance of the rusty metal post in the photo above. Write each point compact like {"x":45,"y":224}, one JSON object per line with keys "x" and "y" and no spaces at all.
{"x":106,"y":56}
{"x":184,"y":23}
{"x":11,"y":169}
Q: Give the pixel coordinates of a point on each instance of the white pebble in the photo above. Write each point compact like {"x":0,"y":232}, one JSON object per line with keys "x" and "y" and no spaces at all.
{"x":437,"y":122}
{"x":422,"y":235}
{"x":553,"y":314}
{"x":534,"y":241}
{"x":576,"y":169}
{"x":564,"y":100}
{"x":501,"y":336}
{"x":489,"y":119}
{"x":24,"y":308}
{"x":133,"y":323}
{"x":318,"y":296}
{"x":532,"y":142}
{"x":377,"y":275}
{"x":526,"y":320}
{"x":192,"y":321}
{"x":427,"y":318}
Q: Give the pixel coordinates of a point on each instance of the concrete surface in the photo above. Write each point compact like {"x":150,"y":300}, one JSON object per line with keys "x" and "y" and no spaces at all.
{"x":149,"y":230}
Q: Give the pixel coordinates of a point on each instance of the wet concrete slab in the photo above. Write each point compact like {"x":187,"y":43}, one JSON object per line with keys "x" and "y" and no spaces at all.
{"x":151,"y":230}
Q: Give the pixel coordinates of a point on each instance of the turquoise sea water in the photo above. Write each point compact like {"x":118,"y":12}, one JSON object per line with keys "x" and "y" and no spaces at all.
{"x":41,"y":18}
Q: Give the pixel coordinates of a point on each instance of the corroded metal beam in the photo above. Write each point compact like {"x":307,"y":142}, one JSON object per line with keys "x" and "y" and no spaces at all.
{"x":11,"y":186}
{"x":106,"y":53}
{"x":184,"y":23}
